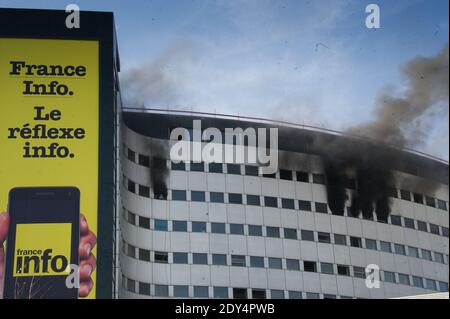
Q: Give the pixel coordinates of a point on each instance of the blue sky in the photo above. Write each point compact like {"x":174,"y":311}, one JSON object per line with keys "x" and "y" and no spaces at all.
{"x":311,"y":62}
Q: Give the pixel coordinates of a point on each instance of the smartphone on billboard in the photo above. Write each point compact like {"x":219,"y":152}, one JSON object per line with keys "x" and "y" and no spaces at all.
{"x":42,"y":243}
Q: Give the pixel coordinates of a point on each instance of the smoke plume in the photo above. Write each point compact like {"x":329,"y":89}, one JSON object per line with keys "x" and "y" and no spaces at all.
{"x":158,"y":169}
{"x":397,"y":123}
{"x":396,"y":117}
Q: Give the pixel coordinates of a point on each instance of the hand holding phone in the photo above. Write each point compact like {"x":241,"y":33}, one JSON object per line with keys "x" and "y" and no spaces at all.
{"x":87,"y":259}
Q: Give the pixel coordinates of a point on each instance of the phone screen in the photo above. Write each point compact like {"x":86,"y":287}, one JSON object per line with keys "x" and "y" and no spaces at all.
{"x":42,"y":243}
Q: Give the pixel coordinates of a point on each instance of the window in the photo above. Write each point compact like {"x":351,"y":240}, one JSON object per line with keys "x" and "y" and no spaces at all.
{"x":307,"y":235}
{"x":422,"y":226}
{"x":218,"y":228}
{"x":290,"y":233}
{"x":161,"y":291}
{"x":295,"y":294}
{"x":144,"y":254}
{"x":340,"y":239}
{"x":251,"y":170}
{"x":275,"y":263}
{"x":235,"y":198}
{"x":441,"y":204}
{"x":273,"y":175}
{"x":197,"y":196}
{"x":417,"y":282}
{"x":426,"y":254}
{"x":215,"y":197}
{"x":396,"y":220}
{"x":406,"y":195}
{"x":256,"y":262}
{"x":159,"y":163}
{"x":430,"y":284}
{"x":409,"y":223}
{"x":309,"y":266}
{"x":254,"y":230}
{"x":161,"y":257}
{"x":219,"y":259}
{"x":144,"y":289}
{"x":359,"y":272}
{"x":399,"y":249}
{"x":180,"y":291}
{"x":131,"y":155}
{"x":131,"y":251}
{"x":445,"y":231}
{"x":239,"y":293}
{"x":285,"y":174}
{"x":144,"y":160}
{"x":434,"y":229}
{"x":276,"y":294}
{"x":312,"y":295}
{"x":321,"y":208}
{"x":318,"y":179}
{"x":371,"y":244}
{"x":403,"y":279}
{"x":304,"y":205}
{"x":238,"y":260}
{"x":253,"y":200}
{"x":131,"y":284}
{"x":161,"y":224}
{"x":197,"y":167}
{"x":221,"y":292}
{"x":343,"y":270}
{"x":273,"y":232}
{"x":355,"y":242}
{"x":329,"y":296}
{"x":180,"y":258}
{"x":443,"y":286}
{"x":198,"y":227}
{"x":385,"y":246}
{"x":178,"y":195}
{"x":413,"y":252}
{"x":438,"y":257}
{"x":179,"y":225}
{"x":234,"y":169}
{"x":215,"y":168}
{"x":270,"y":201}
{"x":418,"y":198}
{"x":324,"y":237}
{"x":292,"y":264}
{"x":181,"y":166}
{"x":131,"y":186}
{"x":131,"y":218}
{"x":201,"y":291}
{"x":144,"y":222}
{"x":350,"y":183}
{"x":237,"y":229}
{"x":430,"y":201}
{"x":199,"y":259}
{"x":389,"y":276}
{"x":287,"y":203}
{"x":258,"y":294}
{"x":392,"y":192}
{"x":326,"y":268}
{"x":144,"y":191}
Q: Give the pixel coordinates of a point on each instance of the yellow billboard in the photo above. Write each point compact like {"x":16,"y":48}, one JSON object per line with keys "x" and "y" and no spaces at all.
{"x":49,"y":122}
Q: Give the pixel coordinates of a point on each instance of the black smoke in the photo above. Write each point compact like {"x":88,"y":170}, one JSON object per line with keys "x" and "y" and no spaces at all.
{"x":158,"y":169}
{"x":398,"y":123}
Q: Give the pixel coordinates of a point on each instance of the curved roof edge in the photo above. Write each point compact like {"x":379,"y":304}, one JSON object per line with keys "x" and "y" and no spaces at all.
{"x":284,"y":124}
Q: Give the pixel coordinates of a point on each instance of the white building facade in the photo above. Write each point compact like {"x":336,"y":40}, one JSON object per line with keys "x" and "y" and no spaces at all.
{"x":223,"y":231}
